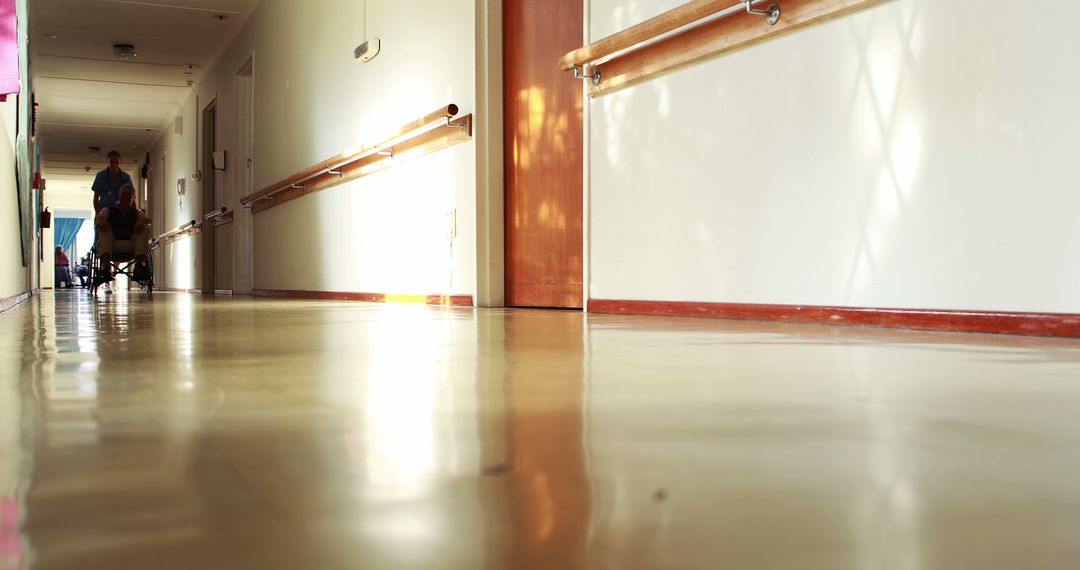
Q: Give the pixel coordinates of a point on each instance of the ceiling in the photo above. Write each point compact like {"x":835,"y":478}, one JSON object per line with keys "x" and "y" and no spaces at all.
{"x":89,"y":98}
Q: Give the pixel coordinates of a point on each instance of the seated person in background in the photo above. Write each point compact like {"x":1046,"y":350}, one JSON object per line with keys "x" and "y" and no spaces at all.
{"x":63,"y":268}
{"x":123,"y":228}
{"x":81,"y":272}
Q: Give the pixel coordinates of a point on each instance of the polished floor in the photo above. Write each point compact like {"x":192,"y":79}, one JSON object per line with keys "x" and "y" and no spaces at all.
{"x":183,"y":432}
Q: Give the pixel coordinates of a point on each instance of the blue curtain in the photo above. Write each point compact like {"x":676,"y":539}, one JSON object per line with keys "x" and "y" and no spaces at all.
{"x":66,"y":230}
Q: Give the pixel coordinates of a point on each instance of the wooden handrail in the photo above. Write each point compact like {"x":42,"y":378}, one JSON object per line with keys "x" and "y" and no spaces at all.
{"x":177,"y":231}
{"x":658,"y":25}
{"x":191,"y":227}
{"x":444,"y":113}
{"x":692,"y":32}
{"x":215,"y":214}
{"x":212,"y":217}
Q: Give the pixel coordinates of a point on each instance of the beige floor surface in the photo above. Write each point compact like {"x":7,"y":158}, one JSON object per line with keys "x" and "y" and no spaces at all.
{"x":183,"y":432}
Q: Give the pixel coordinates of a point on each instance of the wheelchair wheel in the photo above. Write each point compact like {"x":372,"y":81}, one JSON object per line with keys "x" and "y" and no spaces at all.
{"x":92,"y":273}
{"x":149,"y":284}
{"x":95,"y":273}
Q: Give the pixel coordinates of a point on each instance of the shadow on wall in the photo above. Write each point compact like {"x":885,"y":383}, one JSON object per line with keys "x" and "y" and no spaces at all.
{"x":873,"y":160}
{"x":754,"y":154}
{"x":545,"y":147}
{"x":384,"y":233}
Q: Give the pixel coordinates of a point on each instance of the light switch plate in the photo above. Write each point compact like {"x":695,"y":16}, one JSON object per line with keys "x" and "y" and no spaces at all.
{"x":451,"y":224}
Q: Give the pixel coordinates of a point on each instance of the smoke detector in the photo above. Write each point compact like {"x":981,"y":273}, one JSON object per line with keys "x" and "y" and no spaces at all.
{"x":367,"y":50}
{"x":124,"y":51}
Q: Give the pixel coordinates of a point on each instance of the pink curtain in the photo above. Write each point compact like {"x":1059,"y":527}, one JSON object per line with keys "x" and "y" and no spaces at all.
{"x":9,"y":49}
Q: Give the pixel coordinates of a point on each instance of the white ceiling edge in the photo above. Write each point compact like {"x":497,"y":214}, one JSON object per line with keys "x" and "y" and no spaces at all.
{"x":242,"y":20}
{"x":166,"y":122}
{"x":227,"y":40}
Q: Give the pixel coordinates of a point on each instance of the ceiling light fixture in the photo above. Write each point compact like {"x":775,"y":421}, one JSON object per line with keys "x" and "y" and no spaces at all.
{"x":124,"y":51}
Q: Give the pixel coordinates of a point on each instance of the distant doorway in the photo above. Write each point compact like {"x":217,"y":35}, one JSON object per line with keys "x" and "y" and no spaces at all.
{"x":73,"y":231}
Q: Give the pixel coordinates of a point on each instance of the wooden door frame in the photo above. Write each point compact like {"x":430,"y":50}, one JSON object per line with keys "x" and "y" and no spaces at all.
{"x":160,"y":204}
{"x":490,"y":186}
{"x":488,"y":134}
{"x":586,"y":153}
{"x":243,"y":274}
{"x":208,"y":189}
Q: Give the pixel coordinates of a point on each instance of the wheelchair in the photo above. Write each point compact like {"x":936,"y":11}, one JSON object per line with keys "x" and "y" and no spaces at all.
{"x":122,"y":263}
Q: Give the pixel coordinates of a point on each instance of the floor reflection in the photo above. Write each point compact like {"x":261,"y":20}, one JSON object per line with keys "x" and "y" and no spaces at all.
{"x":544,"y":503}
{"x":185,"y":432}
{"x":19,"y":334}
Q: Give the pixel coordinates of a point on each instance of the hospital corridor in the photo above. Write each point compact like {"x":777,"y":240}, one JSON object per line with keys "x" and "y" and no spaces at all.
{"x":539,"y":285}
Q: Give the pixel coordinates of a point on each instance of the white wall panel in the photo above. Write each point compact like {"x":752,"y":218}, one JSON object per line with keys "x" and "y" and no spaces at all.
{"x":386,"y":235}
{"x":313,"y":101}
{"x":177,"y":259}
{"x":915,"y":155}
{"x":13,"y":276}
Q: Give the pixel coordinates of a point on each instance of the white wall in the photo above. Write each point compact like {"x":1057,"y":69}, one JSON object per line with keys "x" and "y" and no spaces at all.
{"x":167,"y":208}
{"x":13,"y":274}
{"x":916,"y":155}
{"x":16,"y":273}
{"x":383,"y":233}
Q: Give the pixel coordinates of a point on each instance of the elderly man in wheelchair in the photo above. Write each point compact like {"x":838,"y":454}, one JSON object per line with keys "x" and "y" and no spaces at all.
{"x":123,"y":237}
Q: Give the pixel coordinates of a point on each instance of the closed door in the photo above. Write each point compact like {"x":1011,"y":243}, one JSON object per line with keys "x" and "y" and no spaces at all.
{"x":164,"y":193}
{"x":543,"y":154}
{"x":209,"y":197}
{"x":243,"y":224}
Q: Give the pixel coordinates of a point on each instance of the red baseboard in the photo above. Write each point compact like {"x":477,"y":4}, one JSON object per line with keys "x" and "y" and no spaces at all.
{"x":13,"y":300}
{"x":450,"y":300}
{"x":1033,"y":324}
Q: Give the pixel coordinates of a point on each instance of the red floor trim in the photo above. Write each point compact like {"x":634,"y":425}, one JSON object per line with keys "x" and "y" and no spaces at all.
{"x":450,"y":300}
{"x":1034,"y":324}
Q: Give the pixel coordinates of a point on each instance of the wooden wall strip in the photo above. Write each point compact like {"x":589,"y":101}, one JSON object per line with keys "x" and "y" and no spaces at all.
{"x":425,"y":143}
{"x":178,"y":232}
{"x":715,"y":38}
{"x":447,"y":300}
{"x":179,"y":236}
{"x":440,"y":113}
{"x":671,"y":20}
{"x":1032,"y":324}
